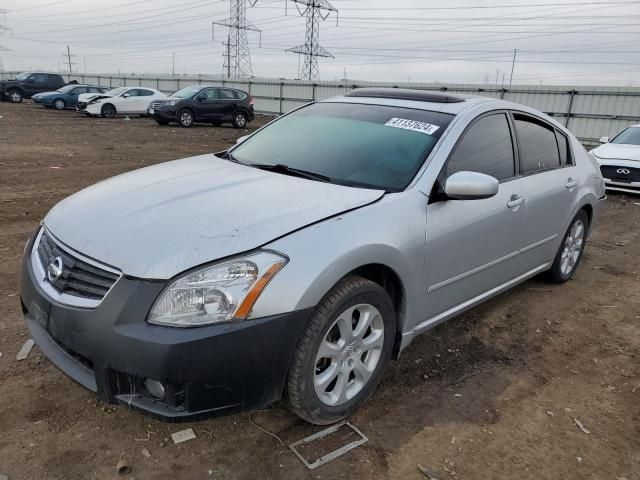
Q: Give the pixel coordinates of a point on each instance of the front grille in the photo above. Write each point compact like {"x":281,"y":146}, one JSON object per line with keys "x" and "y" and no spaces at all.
{"x":619,"y":174}
{"x":155,"y":104}
{"x":78,"y":278}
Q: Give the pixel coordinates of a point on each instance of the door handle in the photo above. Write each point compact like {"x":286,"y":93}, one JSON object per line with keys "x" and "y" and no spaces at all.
{"x":515,"y":201}
{"x":571,"y":183}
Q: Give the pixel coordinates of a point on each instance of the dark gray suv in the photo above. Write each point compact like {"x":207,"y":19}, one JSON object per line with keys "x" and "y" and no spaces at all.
{"x":28,"y":84}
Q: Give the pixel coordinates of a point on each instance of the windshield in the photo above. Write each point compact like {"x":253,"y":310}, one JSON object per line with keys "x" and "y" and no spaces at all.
{"x":66,"y":88}
{"x":629,"y":136}
{"x":23,"y":76}
{"x":116,"y":91}
{"x":369,"y":146}
{"x":187,"y":92}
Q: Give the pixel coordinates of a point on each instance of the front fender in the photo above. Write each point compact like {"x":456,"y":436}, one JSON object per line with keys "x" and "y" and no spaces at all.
{"x":390,"y":232}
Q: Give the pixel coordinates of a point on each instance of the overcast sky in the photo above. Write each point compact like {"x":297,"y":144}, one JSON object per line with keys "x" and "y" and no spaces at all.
{"x":568,"y":42}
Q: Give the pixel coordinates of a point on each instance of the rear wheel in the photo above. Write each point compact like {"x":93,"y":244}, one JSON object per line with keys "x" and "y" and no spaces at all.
{"x":185,"y":118}
{"x":570,"y":252}
{"x":108,"y":111}
{"x":340,"y":356}
{"x":59,"y":104}
{"x":239,"y":120}
{"x":15,"y":96}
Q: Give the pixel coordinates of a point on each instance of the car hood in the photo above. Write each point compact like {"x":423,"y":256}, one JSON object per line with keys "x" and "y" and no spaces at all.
{"x":47,"y":94}
{"x":92,"y":97}
{"x":159,"y":221}
{"x":617,"y":151}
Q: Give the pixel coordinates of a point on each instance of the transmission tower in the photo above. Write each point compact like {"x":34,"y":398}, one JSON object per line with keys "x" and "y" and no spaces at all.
{"x":3,"y":29}
{"x":237,"y":58}
{"x":314,"y":10}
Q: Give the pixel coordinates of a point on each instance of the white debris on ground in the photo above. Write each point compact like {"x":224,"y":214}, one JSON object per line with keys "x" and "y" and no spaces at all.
{"x":183,"y":436}
{"x":25,"y":350}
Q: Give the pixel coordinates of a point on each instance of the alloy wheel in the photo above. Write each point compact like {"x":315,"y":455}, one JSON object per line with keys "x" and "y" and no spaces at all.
{"x":16,"y":97}
{"x":572,"y":247}
{"x":240,"y":120}
{"x":59,"y":104}
{"x":348,"y":354}
{"x":186,"y":119}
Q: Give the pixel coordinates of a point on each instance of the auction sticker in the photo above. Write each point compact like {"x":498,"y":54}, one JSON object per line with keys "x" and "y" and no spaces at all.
{"x":412,"y":125}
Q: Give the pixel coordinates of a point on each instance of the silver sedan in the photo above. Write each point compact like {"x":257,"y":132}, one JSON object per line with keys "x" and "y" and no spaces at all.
{"x":301,"y":261}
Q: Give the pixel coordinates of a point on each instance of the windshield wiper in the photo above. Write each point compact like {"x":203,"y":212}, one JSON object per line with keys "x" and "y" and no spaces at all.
{"x":294,"y":172}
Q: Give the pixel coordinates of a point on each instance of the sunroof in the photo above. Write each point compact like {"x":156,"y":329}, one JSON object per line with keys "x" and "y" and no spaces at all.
{"x":405,"y":94}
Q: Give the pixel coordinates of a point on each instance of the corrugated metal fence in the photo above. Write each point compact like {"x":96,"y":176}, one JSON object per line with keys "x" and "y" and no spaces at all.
{"x":589,"y":112}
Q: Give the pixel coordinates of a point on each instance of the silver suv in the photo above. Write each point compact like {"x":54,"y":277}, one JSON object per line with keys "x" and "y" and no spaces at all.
{"x":299,"y":262}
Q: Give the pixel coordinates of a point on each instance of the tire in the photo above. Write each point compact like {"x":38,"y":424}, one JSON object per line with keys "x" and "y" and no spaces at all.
{"x":162,"y":122}
{"x":59,"y":104}
{"x":185,"y":118}
{"x":240,"y":120}
{"x":108,"y":110}
{"x":570,"y":251}
{"x":15,"y":96}
{"x":326,"y":389}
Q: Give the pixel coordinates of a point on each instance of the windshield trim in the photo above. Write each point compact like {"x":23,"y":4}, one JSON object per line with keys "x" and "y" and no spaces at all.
{"x":421,"y":164}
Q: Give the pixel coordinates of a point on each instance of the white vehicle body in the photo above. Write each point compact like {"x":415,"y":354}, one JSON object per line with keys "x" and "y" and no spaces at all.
{"x":619,"y":160}
{"x":133,"y":100}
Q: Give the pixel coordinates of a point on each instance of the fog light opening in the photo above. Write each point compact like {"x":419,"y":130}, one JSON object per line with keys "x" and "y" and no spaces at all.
{"x":155,"y":388}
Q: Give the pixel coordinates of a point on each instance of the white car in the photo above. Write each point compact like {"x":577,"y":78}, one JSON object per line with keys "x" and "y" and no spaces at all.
{"x":126,"y":100}
{"x":619,"y":160}
{"x":85,"y":98}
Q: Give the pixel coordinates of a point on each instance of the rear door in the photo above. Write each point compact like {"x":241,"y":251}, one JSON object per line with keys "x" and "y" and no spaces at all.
{"x":550,"y":182}
{"x":226,"y":102}
{"x":472,"y":245}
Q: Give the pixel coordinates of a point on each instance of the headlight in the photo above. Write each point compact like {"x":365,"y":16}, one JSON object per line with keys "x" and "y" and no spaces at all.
{"x":216,"y":293}
{"x":172,"y":103}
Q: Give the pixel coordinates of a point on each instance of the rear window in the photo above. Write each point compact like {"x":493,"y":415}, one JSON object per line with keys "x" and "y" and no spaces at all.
{"x":371,"y":146}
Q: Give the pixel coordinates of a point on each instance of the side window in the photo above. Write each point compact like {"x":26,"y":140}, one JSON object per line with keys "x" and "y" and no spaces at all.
{"x":132,"y":93}
{"x":239,"y":95}
{"x":485,"y":148}
{"x":145,"y":93}
{"x":78,"y":91}
{"x":563,"y":147}
{"x":209,"y":94}
{"x":537,"y":145}
{"x":225,"y":94}
{"x":39,"y":77}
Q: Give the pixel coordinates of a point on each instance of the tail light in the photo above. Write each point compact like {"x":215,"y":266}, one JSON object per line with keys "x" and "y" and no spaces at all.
{"x":251,"y":101}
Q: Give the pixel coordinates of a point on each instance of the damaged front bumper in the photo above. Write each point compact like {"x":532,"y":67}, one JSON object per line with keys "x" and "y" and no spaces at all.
{"x":204,"y":371}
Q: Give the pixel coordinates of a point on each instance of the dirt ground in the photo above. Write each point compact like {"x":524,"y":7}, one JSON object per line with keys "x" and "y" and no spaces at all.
{"x":494,"y":394}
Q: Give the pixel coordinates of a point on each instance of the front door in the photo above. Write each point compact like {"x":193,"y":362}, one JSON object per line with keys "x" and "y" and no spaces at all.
{"x":207,"y":105}
{"x":473,"y":245}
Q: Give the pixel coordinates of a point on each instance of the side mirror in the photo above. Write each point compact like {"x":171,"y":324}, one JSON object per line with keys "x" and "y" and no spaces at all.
{"x":604,"y":140}
{"x":470,"y":186}
{"x":242,"y":139}
{"x":125,"y":95}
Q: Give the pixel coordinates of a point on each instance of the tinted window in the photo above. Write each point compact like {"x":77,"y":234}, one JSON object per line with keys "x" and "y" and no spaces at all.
{"x":239,"y":95}
{"x":537,"y":145}
{"x":209,"y":94}
{"x":224,"y":94}
{"x":145,"y":93}
{"x":485,"y":148}
{"x":39,"y":77}
{"x":563,"y":147}
{"x":352,"y":144}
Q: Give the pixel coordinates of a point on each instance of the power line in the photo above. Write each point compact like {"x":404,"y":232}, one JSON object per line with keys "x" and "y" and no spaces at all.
{"x":314,"y":10}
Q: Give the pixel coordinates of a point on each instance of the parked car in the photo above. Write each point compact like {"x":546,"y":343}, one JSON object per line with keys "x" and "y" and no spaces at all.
{"x":85,"y":98}
{"x":619,"y":160}
{"x":28,"y":84}
{"x":206,"y":104}
{"x":65,"y":97}
{"x":300,"y":261}
{"x":124,"y":100}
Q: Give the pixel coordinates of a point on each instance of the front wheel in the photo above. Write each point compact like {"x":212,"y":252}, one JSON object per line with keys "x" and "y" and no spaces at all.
{"x":59,"y":104}
{"x":185,"y":118}
{"x":15,"y":96}
{"x":570,"y":252}
{"x":342,"y":352}
{"x":240,"y":120}
{"x":108,"y":111}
